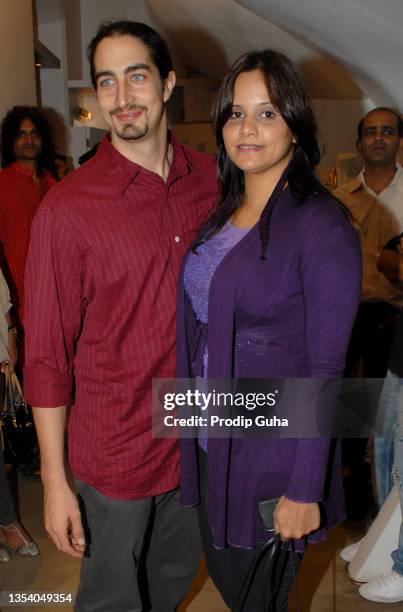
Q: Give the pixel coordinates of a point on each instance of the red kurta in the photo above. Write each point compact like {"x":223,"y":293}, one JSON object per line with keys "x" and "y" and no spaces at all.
{"x":101,"y":279}
{"x":19,"y":200}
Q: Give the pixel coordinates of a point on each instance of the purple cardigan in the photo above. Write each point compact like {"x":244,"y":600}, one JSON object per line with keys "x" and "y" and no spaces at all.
{"x":288,"y":316}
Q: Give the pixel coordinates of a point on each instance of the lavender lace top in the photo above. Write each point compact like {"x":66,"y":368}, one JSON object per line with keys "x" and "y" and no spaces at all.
{"x":200,"y":266}
{"x":199,"y":271}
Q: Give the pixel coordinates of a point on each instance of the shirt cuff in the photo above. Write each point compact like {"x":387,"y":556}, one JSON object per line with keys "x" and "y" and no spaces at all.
{"x":47,"y":388}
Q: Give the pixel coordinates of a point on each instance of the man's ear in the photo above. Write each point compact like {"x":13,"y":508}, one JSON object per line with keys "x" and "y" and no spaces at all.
{"x":169,"y":84}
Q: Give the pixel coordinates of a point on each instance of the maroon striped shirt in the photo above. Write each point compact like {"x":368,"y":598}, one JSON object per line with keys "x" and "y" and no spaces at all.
{"x":101,"y":277}
{"x":20,"y":197}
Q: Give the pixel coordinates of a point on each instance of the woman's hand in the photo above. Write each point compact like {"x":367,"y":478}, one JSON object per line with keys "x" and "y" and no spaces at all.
{"x":294,"y":520}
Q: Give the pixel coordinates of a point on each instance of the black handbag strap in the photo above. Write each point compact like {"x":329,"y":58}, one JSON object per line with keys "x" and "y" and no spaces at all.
{"x":276,"y":570}
{"x":275,"y":553}
{"x":268,"y":549}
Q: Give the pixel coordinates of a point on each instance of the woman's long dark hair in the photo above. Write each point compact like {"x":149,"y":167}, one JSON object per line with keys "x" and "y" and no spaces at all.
{"x":289,"y":95}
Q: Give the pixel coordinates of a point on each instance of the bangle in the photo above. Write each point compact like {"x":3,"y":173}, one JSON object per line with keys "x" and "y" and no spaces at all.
{"x":13,"y":331}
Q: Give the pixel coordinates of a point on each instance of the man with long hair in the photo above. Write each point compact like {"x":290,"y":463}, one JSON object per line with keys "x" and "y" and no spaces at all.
{"x":28,"y":171}
{"x":102,"y":272}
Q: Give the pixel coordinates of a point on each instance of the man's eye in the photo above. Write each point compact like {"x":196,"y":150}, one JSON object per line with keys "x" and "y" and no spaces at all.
{"x":106,"y":83}
{"x":389,"y":131}
{"x":137,"y":77}
{"x":369,"y":132}
{"x":26,"y":133}
{"x":236,"y":115}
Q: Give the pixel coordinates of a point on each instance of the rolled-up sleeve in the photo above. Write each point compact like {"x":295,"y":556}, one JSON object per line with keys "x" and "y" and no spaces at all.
{"x":53,"y":309}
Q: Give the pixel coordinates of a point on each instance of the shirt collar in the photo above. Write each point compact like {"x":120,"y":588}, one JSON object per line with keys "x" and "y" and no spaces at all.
{"x":356,"y":183}
{"x":123,"y":172}
{"x":396,"y":181}
{"x":21,"y":169}
{"x":26,"y":171}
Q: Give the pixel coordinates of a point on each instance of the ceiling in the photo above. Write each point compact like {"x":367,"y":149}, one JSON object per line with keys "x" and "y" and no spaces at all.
{"x":364,"y":35}
{"x":345,"y":48}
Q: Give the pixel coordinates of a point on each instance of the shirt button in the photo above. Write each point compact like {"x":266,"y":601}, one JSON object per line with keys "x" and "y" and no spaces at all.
{"x":177,"y":238}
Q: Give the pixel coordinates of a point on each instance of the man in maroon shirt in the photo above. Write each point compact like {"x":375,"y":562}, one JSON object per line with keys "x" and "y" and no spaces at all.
{"x":28,"y":172}
{"x":106,"y":249}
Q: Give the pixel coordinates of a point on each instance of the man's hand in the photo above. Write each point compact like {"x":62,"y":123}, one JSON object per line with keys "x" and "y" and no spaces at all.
{"x":62,"y":514}
{"x":63,"y":520}
{"x":294,"y":520}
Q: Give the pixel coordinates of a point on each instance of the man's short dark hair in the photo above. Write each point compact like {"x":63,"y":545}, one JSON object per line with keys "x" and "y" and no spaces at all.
{"x":360,"y":126}
{"x":9,"y":131}
{"x":148,"y":36}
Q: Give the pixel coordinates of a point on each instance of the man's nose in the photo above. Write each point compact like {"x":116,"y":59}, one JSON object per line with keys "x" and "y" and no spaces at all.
{"x":28,"y":136}
{"x":122,"y":93}
{"x":379,"y":134}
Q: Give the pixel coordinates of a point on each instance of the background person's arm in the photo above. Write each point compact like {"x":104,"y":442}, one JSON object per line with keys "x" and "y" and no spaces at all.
{"x":12,"y":342}
{"x":390,"y":263}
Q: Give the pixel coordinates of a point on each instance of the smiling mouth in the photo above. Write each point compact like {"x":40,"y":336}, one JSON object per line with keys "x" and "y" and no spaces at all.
{"x":249,"y":148}
{"x":129,"y":114}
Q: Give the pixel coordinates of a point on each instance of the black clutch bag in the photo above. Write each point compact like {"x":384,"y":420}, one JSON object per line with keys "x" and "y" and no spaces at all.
{"x":266,"y":512}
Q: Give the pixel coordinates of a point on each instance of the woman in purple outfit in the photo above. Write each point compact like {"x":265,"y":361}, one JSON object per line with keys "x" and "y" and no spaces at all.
{"x":269,"y":290}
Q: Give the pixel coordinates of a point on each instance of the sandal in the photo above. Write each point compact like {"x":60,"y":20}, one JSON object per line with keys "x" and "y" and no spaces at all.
{"x":18,"y":541}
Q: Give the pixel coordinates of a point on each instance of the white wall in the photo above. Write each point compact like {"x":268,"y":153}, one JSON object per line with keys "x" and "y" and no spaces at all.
{"x":17,"y":68}
{"x":54,"y":93}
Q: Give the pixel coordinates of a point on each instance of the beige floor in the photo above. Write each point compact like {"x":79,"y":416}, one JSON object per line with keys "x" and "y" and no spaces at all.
{"x":323,"y":581}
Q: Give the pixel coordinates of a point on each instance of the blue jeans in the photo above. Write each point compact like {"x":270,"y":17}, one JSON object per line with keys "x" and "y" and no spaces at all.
{"x":397,"y":554}
{"x":384,"y":447}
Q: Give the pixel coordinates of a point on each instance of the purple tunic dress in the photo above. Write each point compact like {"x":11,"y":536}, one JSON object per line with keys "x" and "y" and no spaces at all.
{"x":287,"y":316}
